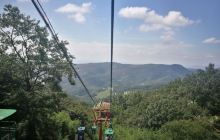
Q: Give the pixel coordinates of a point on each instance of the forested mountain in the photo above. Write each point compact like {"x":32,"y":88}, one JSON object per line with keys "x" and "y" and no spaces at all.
{"x":187,"y":108}
{"x":125,"y":77}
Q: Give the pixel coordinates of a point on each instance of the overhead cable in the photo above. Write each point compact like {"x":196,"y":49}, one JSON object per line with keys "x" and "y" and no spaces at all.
{"x":46,"y":20}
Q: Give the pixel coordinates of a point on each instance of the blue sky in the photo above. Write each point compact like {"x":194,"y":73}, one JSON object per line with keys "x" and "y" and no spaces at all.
{"x":146,"y":31}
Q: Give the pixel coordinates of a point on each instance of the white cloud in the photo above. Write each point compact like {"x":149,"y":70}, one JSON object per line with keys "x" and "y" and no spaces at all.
{"x":168,"y":37}
{"x":160,"y":53}
{"x":175,"y":18}
{"x":153,"y":21}
{"x":78,"y":18}
{"x":153,"y":27}
{"x":76,"y":12}
{"x":211,"y":40}
{"x":133,"y":12}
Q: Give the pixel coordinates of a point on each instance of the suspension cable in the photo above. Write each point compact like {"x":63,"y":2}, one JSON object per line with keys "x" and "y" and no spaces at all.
{"x":63,"y":49}
{"x":112,"y":39}
{"x":46,"y":17}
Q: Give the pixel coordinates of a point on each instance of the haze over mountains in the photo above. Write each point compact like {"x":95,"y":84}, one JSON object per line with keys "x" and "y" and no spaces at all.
{"x":125,"y":77}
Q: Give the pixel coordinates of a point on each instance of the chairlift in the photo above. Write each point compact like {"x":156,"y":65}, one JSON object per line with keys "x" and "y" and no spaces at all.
{"x":94,"y":129}
{"x":109,"y":133}
{"x":80,"y":132}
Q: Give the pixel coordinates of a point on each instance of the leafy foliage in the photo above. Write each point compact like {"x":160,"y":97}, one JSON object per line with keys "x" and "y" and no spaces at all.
{"x":64,"y":127}
{"x":130,"y":133}
{"x":196,"y":95}
{"x":190,"y":130}
{"x":31,"y":67}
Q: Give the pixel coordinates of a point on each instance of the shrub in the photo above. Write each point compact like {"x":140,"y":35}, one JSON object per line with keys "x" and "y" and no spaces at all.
{"x":189,"y":130}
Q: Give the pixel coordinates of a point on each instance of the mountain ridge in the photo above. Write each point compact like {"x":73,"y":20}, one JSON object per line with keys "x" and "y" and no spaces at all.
{"x":125,"y":76}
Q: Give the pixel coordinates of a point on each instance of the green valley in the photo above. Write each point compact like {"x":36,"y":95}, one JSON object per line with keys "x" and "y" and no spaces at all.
{"x":126,"y":77}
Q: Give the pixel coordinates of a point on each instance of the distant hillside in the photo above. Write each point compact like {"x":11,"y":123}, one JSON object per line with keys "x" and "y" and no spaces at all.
{"x":125,"y":77}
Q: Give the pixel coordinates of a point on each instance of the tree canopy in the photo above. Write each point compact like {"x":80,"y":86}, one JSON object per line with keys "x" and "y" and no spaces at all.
{"x":31,"y":68}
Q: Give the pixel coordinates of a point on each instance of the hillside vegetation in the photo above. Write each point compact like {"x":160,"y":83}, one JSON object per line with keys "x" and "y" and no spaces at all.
{"x":31,"y":70}
{"x":126,"y":77}
{"x":186,"y":108}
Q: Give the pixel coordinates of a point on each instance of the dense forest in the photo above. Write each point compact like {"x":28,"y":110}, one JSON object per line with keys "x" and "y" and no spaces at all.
{"x":186,"y":108}
{"x":32,"y":66}
{"x":126,"y":77}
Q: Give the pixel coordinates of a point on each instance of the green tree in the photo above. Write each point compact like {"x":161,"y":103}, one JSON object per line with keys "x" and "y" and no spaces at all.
{"x":37,"y":59}
{"x":204,"y":87}
{"x":164,"y":109}
{"x":31,"y":67}
{"x":189,"y":130}
{"x":64,"y":127}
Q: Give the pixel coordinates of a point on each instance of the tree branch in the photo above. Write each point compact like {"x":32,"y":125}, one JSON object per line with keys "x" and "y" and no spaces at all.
{"x":12,"y":44}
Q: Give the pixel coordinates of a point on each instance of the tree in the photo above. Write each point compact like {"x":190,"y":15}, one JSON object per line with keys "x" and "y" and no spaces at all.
{"x":37,"y":59}
{"x":204,"y":88}
{"x":163,"y":109}
{"x":31,"y":68}
{"x":190,"y":130}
